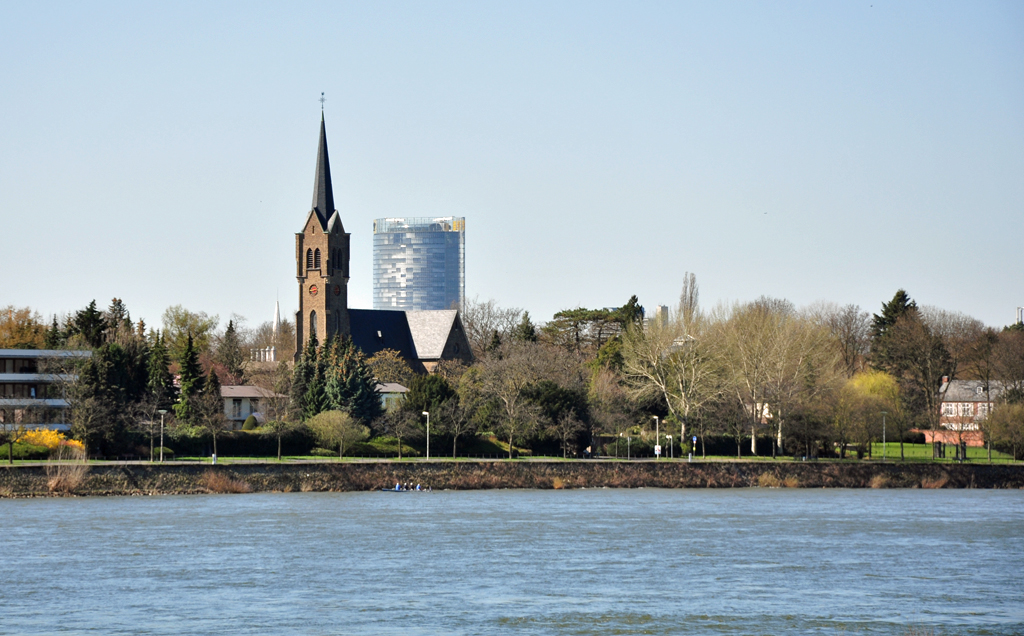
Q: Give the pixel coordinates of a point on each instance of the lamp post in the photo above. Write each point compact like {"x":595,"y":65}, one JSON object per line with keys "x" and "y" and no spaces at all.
{"x":657,"y":436}
{"x":427,"y":413}
{"x":627,"y":447}
{"x":162,"y":412}
{"x":883,"y":435}
{"x":671,"y":454}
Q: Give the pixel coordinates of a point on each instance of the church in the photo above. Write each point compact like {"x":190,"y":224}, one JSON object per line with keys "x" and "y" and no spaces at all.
{"x":322,"y":251}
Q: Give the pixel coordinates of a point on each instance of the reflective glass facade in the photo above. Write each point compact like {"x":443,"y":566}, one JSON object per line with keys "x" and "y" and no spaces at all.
{"x":419,"y":263}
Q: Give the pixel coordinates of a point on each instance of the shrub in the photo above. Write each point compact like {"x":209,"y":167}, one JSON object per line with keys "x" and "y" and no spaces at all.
{"x":768,"y":480}
{"x":323,"y":452}
{"x":250,"y":424}
{"x":62,"y":475}
{"x":21,"y":450}
{"x":219,"y":482}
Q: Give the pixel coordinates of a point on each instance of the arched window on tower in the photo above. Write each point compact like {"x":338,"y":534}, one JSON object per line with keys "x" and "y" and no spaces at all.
{"x":312,"y":325}
{"x":316,"y":259}
{"x":309,"y":259}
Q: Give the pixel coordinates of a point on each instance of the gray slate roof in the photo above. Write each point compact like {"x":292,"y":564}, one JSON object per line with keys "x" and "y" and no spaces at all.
{"x":323,"y":191}
{"x":430,"y":331}
{"x":971,"y":391}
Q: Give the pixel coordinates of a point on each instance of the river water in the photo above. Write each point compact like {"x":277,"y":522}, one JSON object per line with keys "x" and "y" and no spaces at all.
{"x":647,"y":561}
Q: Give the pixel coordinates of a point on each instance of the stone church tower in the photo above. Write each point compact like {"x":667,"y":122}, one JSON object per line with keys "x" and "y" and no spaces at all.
{"x":321,"y":262}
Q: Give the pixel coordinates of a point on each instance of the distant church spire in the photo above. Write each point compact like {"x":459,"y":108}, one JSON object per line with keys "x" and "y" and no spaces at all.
{"x":277,"y":320}
{"x":323,"y":193}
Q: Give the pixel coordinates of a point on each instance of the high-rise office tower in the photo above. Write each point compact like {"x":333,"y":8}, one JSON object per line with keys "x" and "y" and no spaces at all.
{"x":419,"y":263}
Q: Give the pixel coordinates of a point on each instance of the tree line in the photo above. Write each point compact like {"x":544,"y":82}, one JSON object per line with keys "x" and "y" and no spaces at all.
{"x":772,"y":378}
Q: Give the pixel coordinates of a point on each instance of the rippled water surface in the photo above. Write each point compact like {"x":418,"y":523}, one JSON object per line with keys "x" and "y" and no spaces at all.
{"x":532,"y":562}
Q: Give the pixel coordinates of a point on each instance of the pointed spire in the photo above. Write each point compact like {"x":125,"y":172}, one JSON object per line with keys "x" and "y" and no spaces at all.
{"x":277,"y":319}
{"x":323,"y":193}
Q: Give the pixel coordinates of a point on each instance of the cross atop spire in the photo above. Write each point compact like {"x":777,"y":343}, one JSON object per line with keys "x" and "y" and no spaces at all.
{"x":323,"y":193}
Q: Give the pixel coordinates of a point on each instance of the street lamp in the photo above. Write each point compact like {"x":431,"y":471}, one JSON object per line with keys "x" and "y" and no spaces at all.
{"x":162,"y":412}
{"x":883,"y":435}
{"x":427,"y":413}
{"x":657,"y":437}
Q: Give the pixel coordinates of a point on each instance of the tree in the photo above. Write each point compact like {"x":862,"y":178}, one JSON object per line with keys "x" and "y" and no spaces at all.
{"x":191,"y":384}
{"x":349,"y":383}
{"x":90,"y":325}
{"x":210,"y":409}
{"x":427,"y":393}
{"x":337,"y":428}
{"x":884,"y":390}
{"x":482,"y":320}
{"x":21,"y":328}
{"x":565,"y":428}
{"x":1009,"y":364}
{"x":11,"y":432}
{"x":1007,"y":425}
{"x":918,"y":359}
{"x":401,"y":424}
{"x":181,"y":325}
{"x":749,"y":347}
{"x":851,"y":329}
{"x":504,"y":379}
{"x":160,"y":382}
{"x":525,"y":331}
{"x":229,"y":351}
{"x":675,"y":360}
{"x":455,"y":420}
{"x":388,"y":365}
{"x":275,"y":383}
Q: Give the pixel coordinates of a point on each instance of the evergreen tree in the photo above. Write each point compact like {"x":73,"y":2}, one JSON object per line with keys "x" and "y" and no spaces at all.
{"x":427,"y":393}
{"x":349,"y":380}
{"x":302,"y":376}
{"x":525,"y":330}
{"x":118,"y":316}
{"x":495,"y":344}
{"x":631,"y":313}
{"x":229,"y":351}
{"x":55,"y":337}
{"x":315,"y":400}
{"x":90,"y":324}
{"x":191,"y":382}
{"x":161,"y":382}
{"x":883,"y":354}
{"x":900,"y":305}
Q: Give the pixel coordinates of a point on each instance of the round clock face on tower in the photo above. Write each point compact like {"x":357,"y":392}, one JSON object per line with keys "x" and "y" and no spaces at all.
{"x":337,"y":290}
{"x":313,"y":290}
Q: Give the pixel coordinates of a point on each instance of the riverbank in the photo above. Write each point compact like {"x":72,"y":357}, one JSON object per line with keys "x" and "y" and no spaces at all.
{"x":154,"y":479}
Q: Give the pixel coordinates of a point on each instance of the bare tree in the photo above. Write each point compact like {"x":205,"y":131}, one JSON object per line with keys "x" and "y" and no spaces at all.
{"x":12,"y":430}
{"x":676,"y":360}
{"x":564,"y":429}
{"x":504,"y":378}
{"x":748,"y":340}
{"x":851,"y":329}
{"x":401,"y":424}
{"x":274,"y":383}
{"x":482,"y":320}
{"x":455,"y":420}
{"x":958,"y":334}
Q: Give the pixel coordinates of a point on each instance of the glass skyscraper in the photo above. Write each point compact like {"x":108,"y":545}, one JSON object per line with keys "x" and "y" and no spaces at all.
{"x":419,"y":263}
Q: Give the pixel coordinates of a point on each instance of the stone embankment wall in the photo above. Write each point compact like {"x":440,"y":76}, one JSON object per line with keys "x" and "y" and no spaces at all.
{"x":147,"y":479}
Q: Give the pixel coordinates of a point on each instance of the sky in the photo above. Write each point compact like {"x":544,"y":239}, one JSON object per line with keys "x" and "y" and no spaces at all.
{"x":163,"y":153}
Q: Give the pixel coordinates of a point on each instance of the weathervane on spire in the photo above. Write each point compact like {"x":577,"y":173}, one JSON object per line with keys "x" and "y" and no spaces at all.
{"x":322,"y":100}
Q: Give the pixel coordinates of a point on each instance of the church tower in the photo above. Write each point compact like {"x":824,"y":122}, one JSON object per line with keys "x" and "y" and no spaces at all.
{"x":321,"y":262}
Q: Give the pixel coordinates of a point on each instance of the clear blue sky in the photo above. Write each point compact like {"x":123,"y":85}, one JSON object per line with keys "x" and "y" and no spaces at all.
{"x":164,"y":153}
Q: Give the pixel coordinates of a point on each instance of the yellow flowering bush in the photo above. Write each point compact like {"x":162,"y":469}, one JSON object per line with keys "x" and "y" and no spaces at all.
{"x":50,"y":439}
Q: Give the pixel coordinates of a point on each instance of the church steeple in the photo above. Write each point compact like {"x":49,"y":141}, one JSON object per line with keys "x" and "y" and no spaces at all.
{"x":323,"y":193}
